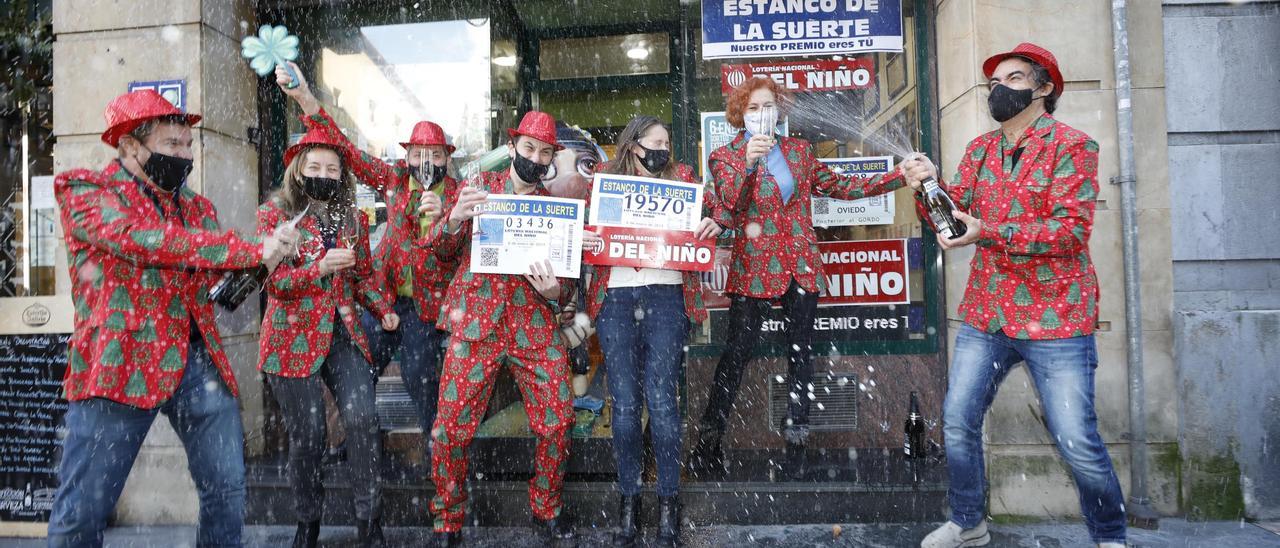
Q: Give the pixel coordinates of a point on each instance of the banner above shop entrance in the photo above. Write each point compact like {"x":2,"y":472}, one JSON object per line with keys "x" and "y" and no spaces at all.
{"x":804,"y":76}
{"x":792,"y":28}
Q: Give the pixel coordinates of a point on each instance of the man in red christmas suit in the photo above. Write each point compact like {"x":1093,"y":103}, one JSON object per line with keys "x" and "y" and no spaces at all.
{"x":495,"y":320}
{"x":144,"y":251}
{"x":1025,"y":193}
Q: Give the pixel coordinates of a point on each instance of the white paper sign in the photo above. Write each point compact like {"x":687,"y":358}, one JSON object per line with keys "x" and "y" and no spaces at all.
{"x":513,"y":232}
{"x":643,"y":202}
{"x":876,"y":210}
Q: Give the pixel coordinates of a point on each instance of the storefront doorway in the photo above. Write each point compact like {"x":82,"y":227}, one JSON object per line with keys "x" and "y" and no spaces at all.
{"x":475,"y":67}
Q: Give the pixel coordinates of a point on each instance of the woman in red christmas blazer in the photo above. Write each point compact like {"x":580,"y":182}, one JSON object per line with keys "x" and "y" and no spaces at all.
{"x":643,"y":317}
{"x":413,"y":278}
{"x":311,"y":334}
{"x":767,"y":183}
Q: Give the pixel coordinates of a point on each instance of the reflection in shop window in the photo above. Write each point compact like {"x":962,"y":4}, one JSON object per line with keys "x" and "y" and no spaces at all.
{"x":29,"y":244}
{"x":621,"y":55}
{"x":379,"y":81}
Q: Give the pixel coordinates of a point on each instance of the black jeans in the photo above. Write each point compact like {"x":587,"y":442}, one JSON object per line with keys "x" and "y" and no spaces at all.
{"x":746,"y":316}
{"x":351,"y":379}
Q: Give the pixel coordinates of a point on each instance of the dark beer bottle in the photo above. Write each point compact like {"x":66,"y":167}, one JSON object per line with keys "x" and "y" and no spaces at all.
{"x":236,"y":286}
{"x":939,"y":205}
{"x":913,"y":445}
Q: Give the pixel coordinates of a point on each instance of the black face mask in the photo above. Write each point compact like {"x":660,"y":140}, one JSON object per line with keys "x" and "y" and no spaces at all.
{"x":320,"y":188}
{"x":168,"y":173}
{"x":429,"y":174}
{"x":528,"y":170}
{"x":654,"y":160}
{"x":1005,"y":102}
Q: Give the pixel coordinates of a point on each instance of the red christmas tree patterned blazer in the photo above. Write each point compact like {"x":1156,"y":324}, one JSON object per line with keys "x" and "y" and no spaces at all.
{"x":297,"y":326}
{"x":478,"y":304}
{"x":141,"y":270}
{"x":402,"y":255}
{"x":1031,"y":275}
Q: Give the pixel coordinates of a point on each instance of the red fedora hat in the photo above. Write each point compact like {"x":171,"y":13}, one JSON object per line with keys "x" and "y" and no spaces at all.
{"x":1029,"y":51}
{"x":126,"y":112}
{"x":428,"y":134}
{"x":539,"y":125}
{"x":317,"y":137}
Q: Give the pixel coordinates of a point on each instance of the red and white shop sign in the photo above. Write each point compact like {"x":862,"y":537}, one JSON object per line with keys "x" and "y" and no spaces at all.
{"x":806,"y":76}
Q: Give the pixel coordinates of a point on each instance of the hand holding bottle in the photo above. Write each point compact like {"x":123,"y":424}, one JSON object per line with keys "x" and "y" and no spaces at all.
{"x":972,"y":229}
{"x":917,"y":168}
{"x":280,"y":245}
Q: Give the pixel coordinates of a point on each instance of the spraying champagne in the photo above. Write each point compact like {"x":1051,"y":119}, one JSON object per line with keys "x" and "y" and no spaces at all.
{"x":236,"y":286}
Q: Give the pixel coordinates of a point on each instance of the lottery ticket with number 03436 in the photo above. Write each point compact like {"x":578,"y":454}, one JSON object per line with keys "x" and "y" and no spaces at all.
{"x":512,"y":232}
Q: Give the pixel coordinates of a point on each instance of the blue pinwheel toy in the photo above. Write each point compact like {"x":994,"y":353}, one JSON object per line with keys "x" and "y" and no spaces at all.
{"x":271,"y":47}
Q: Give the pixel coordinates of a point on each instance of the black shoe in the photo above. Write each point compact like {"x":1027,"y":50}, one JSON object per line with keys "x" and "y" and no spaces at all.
{"x":308,"y":535}
{"x":369,"y":533}
{"x":668,"y":521}
{"x":708,"y":455}
{"x":334,"y":455}
{"x":628,"y":521}
{"x":556,"y":528}
{"x":447,"y":540}
{"x":796,"y":464}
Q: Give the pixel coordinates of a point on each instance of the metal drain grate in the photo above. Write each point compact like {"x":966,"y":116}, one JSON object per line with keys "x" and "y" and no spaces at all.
{"x":835,"y":404}
{"x":395,"y":409}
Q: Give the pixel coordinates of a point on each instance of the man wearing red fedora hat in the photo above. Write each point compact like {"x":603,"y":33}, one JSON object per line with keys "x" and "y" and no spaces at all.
{"x":145,"y":250}
{"x":495,"y":319}
{"x":1026,"y":193}
{"x":412,"y":276}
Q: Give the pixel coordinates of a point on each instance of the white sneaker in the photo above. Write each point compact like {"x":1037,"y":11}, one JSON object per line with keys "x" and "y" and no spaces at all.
{"x":1112,"y":545}
{"x":950,"y":535}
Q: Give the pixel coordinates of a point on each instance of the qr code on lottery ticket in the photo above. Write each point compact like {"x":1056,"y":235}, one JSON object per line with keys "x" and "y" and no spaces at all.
{"x":610,"y":210}
{"x":822,"y":207}
{"x":488,"y":256}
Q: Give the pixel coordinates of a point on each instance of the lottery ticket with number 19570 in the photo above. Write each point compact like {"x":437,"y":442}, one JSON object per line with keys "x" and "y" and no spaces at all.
{"x":642,"y":202}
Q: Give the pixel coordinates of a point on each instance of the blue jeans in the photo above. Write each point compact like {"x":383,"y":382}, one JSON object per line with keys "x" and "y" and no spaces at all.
{"x":642,"y":331}
{"x":1063,"y":373}
{"x":103,"y":438}
{"x":421,"y":346}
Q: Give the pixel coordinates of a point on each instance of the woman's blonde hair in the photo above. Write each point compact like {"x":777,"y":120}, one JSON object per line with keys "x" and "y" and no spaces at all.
{"x":291,"y":197}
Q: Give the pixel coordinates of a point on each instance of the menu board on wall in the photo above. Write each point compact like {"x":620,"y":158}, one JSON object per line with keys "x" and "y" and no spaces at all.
{"x":31,"y":413}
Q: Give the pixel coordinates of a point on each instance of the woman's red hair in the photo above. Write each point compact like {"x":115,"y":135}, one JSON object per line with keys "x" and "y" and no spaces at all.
{"x":736,"y":104}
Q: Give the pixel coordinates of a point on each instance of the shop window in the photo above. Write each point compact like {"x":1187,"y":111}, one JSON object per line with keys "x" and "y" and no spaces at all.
{"x":596,"y":56}
{"x":32,"y":260}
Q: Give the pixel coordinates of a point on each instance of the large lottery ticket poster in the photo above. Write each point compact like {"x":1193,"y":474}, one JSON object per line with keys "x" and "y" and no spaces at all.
{"x":648,"y":223}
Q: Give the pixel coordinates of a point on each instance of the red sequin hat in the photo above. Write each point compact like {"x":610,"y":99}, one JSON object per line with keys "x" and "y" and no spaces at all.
{"x":1033,"y":52}
{"x":540,"y":126}
{"x":126,"y":112}
{"x":428,"y":134}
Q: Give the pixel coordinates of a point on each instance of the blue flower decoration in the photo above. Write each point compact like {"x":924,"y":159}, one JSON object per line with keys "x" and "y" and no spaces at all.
{"x":271,"y":47}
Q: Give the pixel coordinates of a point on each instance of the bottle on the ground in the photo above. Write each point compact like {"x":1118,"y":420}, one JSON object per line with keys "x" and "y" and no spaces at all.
{"x":913,"y":445}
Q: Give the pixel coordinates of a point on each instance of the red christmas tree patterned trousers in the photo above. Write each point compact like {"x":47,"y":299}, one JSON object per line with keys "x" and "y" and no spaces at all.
{"x":470,"y":368}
